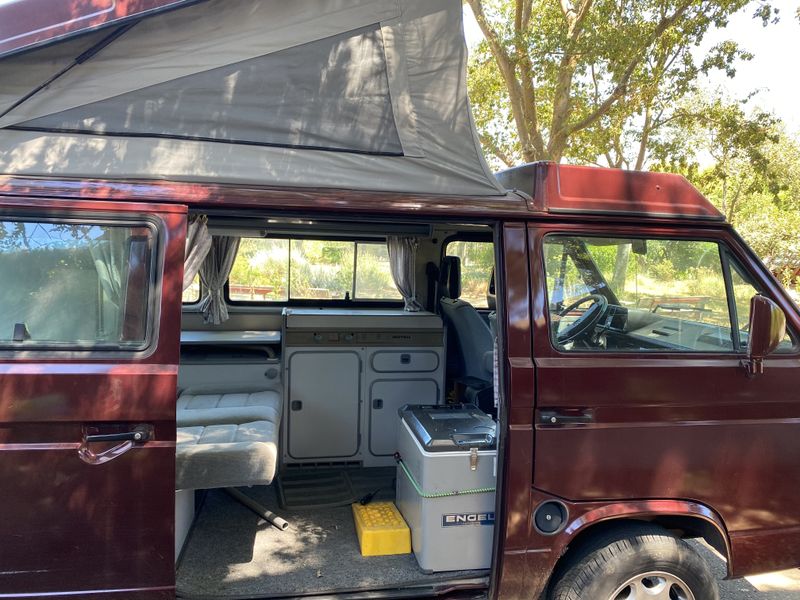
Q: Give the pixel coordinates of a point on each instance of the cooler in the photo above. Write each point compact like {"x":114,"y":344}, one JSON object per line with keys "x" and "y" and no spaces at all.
{"x":446,"y":479}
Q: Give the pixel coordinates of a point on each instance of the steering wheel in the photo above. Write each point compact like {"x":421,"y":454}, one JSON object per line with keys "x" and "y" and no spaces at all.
{"x":586,"y":322}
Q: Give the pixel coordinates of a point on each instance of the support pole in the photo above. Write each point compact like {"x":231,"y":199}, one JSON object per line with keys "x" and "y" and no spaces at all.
{"x":262,"y":512}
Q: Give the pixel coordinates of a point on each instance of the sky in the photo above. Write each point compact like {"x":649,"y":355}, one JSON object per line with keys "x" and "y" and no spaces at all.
{"x":773,"y":72}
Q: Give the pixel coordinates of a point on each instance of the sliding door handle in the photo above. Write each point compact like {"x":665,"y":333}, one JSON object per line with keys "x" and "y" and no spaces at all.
{"x":137,"y":435}
{"x":566,"y":416}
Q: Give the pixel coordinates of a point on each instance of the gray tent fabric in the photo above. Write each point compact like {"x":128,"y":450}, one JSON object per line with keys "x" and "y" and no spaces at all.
{"x":347,"y":94}
{"x":213,"y":275}
{"x":403,"y":262}
{"x":345,"y":75}
{"x":198,"y":243}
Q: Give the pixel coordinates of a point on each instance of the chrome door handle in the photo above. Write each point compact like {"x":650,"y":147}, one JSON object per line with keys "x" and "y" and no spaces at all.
{"x":138,"y":435}
{"x":564,"y":417}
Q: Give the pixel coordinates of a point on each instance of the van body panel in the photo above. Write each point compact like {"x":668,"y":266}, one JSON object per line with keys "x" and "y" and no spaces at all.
{"x":672,"y":425}
{"x":511,"y":572}
{"x":534,"y":567}
{"x":75,"y":522}
{"x":676,"y":450}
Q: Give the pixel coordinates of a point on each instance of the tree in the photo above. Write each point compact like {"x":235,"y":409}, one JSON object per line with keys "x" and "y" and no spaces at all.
{"x":584,"y":79}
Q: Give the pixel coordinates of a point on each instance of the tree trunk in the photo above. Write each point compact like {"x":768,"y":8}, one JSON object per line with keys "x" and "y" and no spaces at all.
{"x":620,"y":268}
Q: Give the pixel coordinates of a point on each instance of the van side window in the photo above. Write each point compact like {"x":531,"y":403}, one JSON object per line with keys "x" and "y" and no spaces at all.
{"x":477,"y":262}
{"x":743,"y":291}
{"x":75,"y":285}
{"x":282,"y":270}
{"x":619,"y":294}
{"x":191,"y":295}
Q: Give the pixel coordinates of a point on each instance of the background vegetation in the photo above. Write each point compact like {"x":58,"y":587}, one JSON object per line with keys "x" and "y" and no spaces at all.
{"x":618,"y":83}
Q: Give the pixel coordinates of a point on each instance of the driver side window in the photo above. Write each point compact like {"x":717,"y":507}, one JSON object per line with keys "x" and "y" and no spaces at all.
{"x":646,"y":295}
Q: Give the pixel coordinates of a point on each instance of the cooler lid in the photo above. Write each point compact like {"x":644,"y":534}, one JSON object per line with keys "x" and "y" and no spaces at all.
{"x":450,"y":428}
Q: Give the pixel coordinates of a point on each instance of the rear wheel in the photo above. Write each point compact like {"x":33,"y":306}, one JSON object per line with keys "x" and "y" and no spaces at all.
{"x":635,"y":562}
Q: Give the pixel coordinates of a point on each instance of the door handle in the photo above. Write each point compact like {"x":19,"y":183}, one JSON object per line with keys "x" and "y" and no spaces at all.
{"x":137,"y":435}
{"x":566,"y":417}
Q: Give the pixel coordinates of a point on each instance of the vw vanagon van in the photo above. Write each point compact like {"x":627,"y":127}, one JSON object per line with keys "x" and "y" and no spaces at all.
{"x":269,"y":327}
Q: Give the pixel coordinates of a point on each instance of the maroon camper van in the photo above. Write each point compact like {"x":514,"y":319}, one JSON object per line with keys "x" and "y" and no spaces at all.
{"x":263,"y":306}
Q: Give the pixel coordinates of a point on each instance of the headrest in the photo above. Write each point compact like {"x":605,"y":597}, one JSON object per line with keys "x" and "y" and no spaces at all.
{"x":450,"y":280}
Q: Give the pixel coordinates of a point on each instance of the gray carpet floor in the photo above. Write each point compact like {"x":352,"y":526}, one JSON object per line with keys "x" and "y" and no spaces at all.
{"x":314,"y":487}
{"x":232,"y":552}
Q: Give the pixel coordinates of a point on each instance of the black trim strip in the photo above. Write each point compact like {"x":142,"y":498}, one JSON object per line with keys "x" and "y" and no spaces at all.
{"x":80,"y":59}
{"x":192,"y":138}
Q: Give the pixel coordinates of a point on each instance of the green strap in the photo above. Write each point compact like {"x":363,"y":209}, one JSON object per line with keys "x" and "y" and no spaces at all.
{"x":424,"y":494}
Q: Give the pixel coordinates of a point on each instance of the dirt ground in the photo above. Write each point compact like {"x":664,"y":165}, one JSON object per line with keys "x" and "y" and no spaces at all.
{"x":784,"y":585}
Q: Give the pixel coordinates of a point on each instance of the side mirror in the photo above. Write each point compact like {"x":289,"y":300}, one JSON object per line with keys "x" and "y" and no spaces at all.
{"x":767,"y":329}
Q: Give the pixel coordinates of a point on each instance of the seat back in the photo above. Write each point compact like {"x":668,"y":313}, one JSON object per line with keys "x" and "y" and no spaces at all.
{"x":473,"y":337}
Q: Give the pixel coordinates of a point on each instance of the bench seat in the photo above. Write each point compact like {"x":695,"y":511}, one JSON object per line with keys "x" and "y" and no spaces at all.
{"x":209,"y":407}
{"x":226,"y":455}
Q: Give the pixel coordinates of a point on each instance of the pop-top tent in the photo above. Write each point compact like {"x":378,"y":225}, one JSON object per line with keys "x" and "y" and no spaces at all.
{"x":353,"y":94}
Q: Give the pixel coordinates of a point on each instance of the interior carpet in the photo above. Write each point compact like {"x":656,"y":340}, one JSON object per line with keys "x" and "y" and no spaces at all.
{"x":307,"y":487}
{"x":231,"y":552}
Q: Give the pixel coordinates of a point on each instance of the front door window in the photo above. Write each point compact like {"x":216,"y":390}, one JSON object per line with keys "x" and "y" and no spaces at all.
{"x":626,"y":294}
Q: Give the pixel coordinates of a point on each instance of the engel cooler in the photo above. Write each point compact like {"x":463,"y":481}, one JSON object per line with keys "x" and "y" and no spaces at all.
{"x":446,"y":479}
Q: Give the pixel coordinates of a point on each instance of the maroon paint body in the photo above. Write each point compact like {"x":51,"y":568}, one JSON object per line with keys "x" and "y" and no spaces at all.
{"x":70,"y":526}
{"x":27,"y":24}
{"x":674,"y":435}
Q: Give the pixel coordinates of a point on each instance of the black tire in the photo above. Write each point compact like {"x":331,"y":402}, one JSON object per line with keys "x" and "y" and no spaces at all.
{"x":603,"y":564}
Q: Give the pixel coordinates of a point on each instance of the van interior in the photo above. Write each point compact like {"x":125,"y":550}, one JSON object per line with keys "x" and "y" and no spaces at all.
{"x":288,"y":410}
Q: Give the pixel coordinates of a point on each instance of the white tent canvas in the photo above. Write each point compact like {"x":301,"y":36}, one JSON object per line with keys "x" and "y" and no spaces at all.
{"x":354,"y":94}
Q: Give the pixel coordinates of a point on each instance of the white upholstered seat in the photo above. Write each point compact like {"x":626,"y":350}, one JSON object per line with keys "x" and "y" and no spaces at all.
{"x":209,"y":407}
{"x":226,"y":455}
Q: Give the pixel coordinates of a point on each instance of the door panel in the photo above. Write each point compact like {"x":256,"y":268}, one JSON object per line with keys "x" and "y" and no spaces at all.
{"x":76,"y":520}
{"x":387,"y":396}
{"x":324,"y":403}
{"x":688,"y":425}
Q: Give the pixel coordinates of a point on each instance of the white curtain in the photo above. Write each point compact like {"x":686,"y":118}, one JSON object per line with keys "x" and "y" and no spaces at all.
{"x":198,"y":243}
{"x":108,"y":254}
{"x":402,"y":261}
{"x":213,"y":274}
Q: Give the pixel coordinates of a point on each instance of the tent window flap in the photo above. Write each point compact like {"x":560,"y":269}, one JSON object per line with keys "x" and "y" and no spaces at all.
{"x":330,"y":94}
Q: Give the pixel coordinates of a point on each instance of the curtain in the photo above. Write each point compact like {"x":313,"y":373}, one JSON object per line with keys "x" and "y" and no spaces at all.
{"x":402,"y":261}
{"x":198,"y":243}
{"x":109,"y":256}
{"x":213,"y":274}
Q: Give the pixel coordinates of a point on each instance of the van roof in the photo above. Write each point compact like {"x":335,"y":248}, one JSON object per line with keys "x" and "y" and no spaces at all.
{"x":541,"y":189}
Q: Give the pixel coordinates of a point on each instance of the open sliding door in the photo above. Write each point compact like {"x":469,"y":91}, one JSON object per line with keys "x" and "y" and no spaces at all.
{"x":89,"y":346}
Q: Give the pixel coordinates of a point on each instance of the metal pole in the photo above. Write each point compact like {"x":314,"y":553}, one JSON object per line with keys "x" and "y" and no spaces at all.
{"x":262,"y":512}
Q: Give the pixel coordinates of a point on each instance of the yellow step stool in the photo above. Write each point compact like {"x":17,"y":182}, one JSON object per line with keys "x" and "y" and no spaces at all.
{"x":381,"y":529}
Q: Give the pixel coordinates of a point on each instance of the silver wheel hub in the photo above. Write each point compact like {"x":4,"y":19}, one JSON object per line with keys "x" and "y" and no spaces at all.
{"x":655,"y":585}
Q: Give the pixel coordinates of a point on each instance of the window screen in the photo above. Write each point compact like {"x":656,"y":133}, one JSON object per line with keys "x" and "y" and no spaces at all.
{"x":70,"y":285}
{"x":328,"y":94}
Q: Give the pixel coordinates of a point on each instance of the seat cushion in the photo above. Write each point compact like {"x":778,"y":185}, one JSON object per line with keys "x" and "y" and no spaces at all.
{"x":200,"y":407}
{"x":216,"y":456}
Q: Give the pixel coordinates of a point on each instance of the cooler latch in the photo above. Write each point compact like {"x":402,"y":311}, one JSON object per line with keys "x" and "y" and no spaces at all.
{"x":473,"y":459}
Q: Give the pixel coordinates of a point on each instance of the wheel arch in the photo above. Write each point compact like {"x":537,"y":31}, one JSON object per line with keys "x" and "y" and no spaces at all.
{"x":683,"y":518}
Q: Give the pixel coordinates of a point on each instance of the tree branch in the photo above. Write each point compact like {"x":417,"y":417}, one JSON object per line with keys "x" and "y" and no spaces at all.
{"x":490,"y":145}
{"x":621,"y":87}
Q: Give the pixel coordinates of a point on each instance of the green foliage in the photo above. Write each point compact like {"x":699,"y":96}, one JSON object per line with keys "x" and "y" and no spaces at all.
{"x":584,"y":79}
{"x":275,"y":270}
{"x":477,"y":262}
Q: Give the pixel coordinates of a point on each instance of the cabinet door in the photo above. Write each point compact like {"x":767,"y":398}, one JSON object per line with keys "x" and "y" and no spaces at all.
{"x":386,"y":397}
{"x":324,"y":390}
